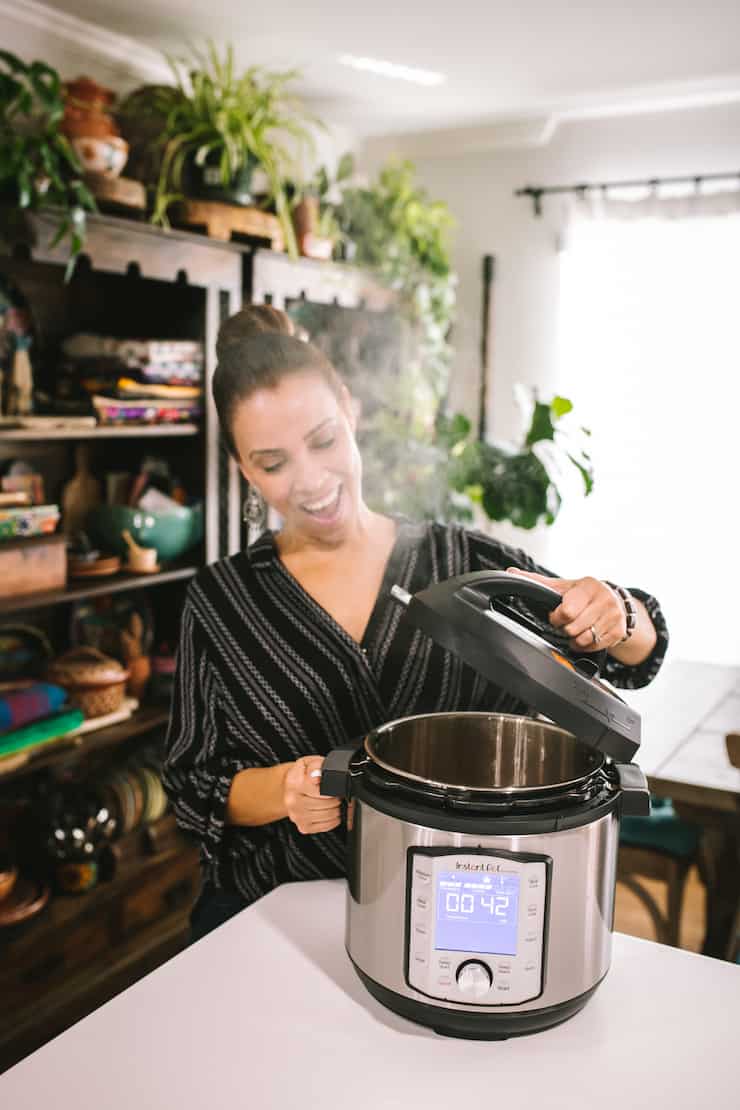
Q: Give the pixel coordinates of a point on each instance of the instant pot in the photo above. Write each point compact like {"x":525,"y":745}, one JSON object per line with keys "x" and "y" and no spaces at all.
{"x":482,"y":847}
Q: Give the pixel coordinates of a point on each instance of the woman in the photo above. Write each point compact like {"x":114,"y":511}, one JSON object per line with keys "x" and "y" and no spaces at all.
{"x":295,"y":646}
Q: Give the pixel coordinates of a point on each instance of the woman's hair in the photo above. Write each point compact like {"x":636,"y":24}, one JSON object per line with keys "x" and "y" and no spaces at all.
{"x":256,"y":348}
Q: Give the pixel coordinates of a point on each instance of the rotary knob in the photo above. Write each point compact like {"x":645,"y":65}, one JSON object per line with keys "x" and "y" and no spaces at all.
{"x":474,"y":979}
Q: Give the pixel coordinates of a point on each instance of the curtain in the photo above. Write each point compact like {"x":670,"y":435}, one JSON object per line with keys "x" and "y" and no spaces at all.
{"x":649,"y":352}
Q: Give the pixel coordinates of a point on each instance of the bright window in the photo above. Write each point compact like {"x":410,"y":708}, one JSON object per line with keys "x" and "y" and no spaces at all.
{"x":650,"y":356}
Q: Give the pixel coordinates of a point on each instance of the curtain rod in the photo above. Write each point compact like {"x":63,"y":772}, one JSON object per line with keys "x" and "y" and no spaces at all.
{"x":537,"y":192}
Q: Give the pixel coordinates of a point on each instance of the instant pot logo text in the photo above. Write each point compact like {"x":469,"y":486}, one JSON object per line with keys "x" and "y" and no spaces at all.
{"x":487,"y":866}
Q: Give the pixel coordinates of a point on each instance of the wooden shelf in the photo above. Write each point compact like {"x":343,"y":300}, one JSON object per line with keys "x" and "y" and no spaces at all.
{"x":117,"y":583}
{"x":112,"y":431}
{"x":59,"y":751}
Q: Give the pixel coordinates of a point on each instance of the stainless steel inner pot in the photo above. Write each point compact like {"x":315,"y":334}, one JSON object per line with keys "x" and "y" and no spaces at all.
{"x":482,"y":751}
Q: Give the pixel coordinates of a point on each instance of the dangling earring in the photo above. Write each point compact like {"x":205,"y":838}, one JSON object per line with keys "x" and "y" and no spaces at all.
{"x":255,"y":510}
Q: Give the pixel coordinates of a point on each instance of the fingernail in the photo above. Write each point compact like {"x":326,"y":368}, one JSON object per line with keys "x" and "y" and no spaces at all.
{"x":314,"y":774}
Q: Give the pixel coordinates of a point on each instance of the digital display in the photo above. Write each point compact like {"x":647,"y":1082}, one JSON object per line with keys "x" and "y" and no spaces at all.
{"x":477,"y":912}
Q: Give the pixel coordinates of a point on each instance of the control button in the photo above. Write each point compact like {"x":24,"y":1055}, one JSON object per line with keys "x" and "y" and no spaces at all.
{"x":444,"y":963}
{"x":531,"y":936}
{"x":421,"y":929}
{"x":503,"y":987}
{"x":531,"y":911}
{"x":530,"y":965}
{"x":504,"y":969}
{"x":474,"y":979}
{"x":423,"y":877}
{"x":533,"y":882}
{"x":445,"y":980}
{"x":420,"y":958}
{"x":422,"y":903}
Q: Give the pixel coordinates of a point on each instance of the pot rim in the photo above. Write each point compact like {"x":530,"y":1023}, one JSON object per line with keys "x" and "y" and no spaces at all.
{"x":597,"y":758}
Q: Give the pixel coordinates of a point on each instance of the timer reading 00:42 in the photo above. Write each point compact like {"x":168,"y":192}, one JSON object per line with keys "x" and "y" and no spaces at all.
{"x":477,"y":912}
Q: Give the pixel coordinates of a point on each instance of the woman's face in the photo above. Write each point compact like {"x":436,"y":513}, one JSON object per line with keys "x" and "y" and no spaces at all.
{"x":296,"y":444}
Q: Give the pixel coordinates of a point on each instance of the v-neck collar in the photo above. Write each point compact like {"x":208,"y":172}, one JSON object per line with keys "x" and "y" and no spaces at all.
{"x":264,"y":552}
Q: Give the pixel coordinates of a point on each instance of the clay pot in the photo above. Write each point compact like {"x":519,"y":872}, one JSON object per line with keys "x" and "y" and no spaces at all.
{"x":91,"y":129}
{"x":88,"y":94}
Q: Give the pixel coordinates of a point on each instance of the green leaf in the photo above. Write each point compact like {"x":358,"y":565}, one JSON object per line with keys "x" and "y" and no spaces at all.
{"x":585,"y":472}
{"x":13,"y":62}
{"x":541,"y":426}
{"x":559,"y":406}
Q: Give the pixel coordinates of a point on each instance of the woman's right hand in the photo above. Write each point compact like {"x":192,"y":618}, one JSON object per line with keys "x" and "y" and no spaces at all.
{"x":309,"y":811}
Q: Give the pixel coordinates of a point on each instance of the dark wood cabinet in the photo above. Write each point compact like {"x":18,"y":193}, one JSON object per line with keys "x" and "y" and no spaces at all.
{"x":133,"y":281}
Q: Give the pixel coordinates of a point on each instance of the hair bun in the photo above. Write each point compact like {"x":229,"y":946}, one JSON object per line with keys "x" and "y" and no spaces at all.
{"x":252,"y":320}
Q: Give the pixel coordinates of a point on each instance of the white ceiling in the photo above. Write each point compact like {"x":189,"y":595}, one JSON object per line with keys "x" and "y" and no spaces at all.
{"x":505,"y":60}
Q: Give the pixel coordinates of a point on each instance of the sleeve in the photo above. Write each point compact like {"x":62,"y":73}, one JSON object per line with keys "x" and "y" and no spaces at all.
{"x":489,"y":554}
{"x":201,"y":757}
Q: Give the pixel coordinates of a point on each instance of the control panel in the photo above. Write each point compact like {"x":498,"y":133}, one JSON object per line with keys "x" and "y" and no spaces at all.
{"x":476,"y":927}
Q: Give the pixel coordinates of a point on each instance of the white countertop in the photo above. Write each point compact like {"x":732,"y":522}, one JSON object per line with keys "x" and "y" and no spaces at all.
{"x":267,"y":1013}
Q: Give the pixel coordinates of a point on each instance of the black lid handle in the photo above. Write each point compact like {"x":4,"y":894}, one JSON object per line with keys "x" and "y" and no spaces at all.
{"x":500,"y":583}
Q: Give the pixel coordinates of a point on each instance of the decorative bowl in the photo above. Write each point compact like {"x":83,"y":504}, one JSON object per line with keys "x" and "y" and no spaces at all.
{"x":171,"y":532}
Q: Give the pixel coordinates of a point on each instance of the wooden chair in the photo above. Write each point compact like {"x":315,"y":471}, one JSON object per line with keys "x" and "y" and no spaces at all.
{"x":662,"y":847}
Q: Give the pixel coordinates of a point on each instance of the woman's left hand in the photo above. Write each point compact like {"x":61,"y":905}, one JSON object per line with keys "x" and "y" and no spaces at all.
{"x":590,"y":612}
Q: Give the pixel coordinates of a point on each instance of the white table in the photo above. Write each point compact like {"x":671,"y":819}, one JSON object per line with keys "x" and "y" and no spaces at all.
{"x":267,"y":1013}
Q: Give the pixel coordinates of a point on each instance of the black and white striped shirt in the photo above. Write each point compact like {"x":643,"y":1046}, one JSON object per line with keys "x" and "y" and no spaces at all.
{"x":265,"y":675}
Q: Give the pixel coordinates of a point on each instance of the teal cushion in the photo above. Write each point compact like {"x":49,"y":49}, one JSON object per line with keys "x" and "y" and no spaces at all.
{"x":662,"y":830}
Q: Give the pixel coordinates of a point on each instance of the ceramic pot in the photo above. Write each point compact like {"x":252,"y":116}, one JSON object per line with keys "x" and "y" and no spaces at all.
{"x":205,"y":182}
{"x":106,"y":156}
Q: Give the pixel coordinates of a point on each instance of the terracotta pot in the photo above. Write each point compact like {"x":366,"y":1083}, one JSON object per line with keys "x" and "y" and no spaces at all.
{"x":140,"y":670}
{"x":77,"y":124}
{"x":86,"y":114}
{"x":89,"y":94}
{"x":306,"y":217}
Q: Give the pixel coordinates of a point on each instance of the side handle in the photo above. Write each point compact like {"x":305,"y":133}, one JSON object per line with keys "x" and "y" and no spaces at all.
{"x":634,"y":787}
{"x":335,"y":772}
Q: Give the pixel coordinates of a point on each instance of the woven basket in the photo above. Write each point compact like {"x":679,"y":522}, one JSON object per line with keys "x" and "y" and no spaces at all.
{"x":94,"y":682}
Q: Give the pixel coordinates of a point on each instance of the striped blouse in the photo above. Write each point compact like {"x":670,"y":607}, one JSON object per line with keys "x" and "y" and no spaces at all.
{"x":265,"y":675}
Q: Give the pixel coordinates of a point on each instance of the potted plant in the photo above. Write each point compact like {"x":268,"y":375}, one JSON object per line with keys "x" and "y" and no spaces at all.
{"x":314,"y":210}
{"x":216,"y":126}
{"x":519,"y":484}
{"x":38,"y":167}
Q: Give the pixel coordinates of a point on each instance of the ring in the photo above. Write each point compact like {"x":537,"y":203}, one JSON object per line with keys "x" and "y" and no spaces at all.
{"x":594,"y":635}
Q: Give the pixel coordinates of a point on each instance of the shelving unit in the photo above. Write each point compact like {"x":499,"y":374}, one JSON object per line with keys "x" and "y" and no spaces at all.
{"x":100,"y":587}
{"x":58,"y":752}
{"x":133,"y":281}
{"x":136,"y":280}
{"x":146,"y":431}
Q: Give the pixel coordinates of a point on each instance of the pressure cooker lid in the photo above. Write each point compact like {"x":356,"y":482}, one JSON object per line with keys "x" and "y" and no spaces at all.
{"x":469,"y":616}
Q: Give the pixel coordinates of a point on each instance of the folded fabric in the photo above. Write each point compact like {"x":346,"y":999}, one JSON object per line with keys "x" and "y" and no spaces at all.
{"x":41,"y":732}
{"x":22,"y":707}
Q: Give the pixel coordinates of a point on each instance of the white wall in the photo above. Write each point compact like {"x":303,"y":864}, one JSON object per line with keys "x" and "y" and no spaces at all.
{"x":479,"y":189}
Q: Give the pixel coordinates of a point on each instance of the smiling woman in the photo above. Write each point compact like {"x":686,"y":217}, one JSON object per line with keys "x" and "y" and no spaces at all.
{"x":295,"y":646}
